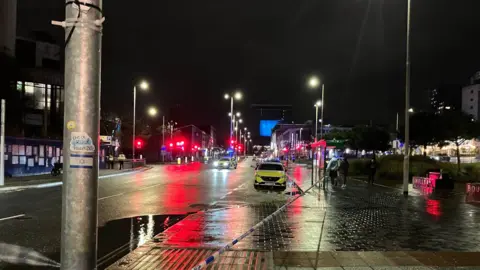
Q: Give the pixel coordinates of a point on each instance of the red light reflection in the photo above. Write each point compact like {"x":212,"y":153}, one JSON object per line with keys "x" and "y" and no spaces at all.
{"x":433,"y":208}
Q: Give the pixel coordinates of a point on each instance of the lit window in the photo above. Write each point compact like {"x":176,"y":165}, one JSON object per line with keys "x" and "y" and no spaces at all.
{"x":19,"y":86}
{"x":29,"y":90}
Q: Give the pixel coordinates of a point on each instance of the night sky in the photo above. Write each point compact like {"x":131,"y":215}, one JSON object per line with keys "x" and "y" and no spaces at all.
{"x":192,"y":52}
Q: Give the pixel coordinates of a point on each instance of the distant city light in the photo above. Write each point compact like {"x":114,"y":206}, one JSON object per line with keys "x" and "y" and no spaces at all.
{"x":226,"y":96}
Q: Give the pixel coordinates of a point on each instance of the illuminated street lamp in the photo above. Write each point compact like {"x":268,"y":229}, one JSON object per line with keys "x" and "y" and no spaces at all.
{"x":314,"y":83}
{"x":143,"y":86}
{"x":152,"y":111}
{"x":238,"y":96}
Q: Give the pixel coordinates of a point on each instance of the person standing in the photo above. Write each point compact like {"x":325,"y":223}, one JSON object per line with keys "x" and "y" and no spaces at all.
{"x":372,"y":170}
{"x":332,"y":169}
{"x":121,"y":160}
{"x":110,"y":161}
{"x":343,"y":170}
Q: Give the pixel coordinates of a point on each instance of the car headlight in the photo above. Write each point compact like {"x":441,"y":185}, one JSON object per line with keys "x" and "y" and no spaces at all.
{"x":215,"y":163}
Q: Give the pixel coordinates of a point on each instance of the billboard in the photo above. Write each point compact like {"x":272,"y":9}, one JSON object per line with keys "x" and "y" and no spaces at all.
{"x":266,"y":127}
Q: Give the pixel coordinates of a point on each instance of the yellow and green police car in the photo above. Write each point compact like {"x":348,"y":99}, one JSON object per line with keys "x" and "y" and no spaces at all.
{"x":270,"y":174}
{"x":225,"y":163}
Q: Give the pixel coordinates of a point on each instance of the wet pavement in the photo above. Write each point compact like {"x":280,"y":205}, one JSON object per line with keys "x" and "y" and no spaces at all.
{"x":359,"y":218}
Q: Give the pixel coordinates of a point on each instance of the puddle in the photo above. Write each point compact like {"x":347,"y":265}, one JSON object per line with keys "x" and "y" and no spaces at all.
{"x":119,"y":237}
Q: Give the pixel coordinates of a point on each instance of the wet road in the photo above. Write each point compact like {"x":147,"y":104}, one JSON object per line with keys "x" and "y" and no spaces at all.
{"x":136,"y":205}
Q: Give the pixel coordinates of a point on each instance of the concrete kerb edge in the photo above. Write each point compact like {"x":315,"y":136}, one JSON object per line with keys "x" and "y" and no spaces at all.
{"x":59,"y":183}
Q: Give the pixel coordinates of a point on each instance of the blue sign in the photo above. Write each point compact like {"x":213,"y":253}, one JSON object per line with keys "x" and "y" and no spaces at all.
{"x":164,"y":148}
{"x":266,"y":127}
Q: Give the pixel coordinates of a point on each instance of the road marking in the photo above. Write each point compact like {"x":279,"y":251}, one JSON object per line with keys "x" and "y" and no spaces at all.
{"x":59,"y":183}
{"x":12,"y":217}
{"x":111,"y":196}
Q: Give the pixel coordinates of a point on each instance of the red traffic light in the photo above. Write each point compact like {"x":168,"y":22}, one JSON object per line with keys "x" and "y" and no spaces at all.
{"x":171,"y":144}
{"x":138,"y":143}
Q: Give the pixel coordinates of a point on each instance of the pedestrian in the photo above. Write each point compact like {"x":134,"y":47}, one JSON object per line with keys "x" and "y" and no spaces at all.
{"x":332,"y":169}
{"x":121,"y":160}
{"x":343,"y":170}
{"x":372,"y":169}
{"x":110,"y":161}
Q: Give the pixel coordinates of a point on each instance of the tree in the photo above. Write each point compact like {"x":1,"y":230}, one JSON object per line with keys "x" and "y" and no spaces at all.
{"x":371,"y":138}
{"x":423,"y":130}
{"x":457,"y":127}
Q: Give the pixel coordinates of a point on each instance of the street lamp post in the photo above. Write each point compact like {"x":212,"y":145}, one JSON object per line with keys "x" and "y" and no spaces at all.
{"x":317,"y":104}
{"x":237,"y":95}
{"x":323,"y":105}
{"x":143,"y":86}
{"x":406,"y":158}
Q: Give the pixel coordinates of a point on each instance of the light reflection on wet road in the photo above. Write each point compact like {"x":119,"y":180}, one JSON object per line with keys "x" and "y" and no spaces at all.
{"x":147,"y":199}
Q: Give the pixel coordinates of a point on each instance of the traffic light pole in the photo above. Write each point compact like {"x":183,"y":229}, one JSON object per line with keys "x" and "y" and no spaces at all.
{"x":2,"y":145}
{"x":83,"y":27}
{"x":134,"y":111}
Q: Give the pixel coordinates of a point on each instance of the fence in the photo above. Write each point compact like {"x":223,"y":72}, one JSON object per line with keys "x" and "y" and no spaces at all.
{"x":25,"y":156}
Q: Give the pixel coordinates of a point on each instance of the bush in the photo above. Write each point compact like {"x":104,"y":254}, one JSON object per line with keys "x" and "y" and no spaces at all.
{"x":391,"y":167}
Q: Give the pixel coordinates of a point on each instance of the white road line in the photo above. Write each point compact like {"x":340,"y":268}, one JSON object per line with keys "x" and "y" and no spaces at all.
{"x":111,"y":196}
{"x":12,"y":217}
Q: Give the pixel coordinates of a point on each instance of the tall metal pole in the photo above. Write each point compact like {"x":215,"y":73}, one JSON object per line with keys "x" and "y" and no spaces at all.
{"x":81,"y":135}
{"x":163,"y":138}
{"x":323,"y":105}
{"x":396,"y":125}
{"x":232,"y":118}
{"x":316,"y":122}
{"x":134,"y":110}
{"x":313,"y":149}
{"x":240,"y":141}
{"x":406,"y":158}
{"x":236,"y":131}
{"x":2,"y":145}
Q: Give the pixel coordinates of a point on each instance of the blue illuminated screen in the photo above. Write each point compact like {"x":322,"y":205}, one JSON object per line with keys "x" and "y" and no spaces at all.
{"x":266,"y":127}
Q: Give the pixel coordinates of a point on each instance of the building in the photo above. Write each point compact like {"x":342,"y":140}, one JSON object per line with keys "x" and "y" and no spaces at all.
{"x":445,"y":97}
{"x":212,"y":135}
{"x":471,"y":97}
{"x":8,"y":26}
{"x":36,"y":87}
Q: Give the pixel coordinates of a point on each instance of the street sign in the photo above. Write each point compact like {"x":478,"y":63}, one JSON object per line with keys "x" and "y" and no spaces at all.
{"x":106,"y":139}
{"x":164,"y":148}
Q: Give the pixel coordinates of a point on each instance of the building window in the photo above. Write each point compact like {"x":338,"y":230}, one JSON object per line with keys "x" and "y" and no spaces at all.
{"x":471,"y":91}
{"x":29,"y":90}
{"x":471,"y":99}
{"x":19,"y":86}
{"x":471,"y":107}
{"x":40,"y":91}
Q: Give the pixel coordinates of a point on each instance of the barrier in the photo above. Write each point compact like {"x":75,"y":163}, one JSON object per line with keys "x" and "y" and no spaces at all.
{"x":473,"y":193}
{"x":422,"y":182}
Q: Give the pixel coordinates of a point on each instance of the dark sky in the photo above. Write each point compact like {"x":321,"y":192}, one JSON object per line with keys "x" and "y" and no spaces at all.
{"x":194,"y":51}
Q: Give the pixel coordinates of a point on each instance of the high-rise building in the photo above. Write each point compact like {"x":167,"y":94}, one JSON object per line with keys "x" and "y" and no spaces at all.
{"x":446,"y":97}
{"x":471,"y":97}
